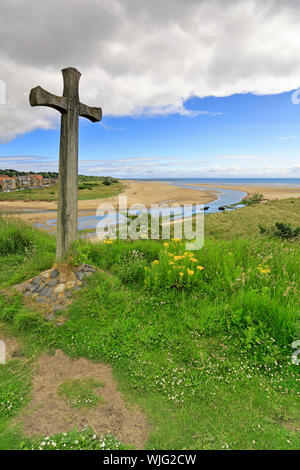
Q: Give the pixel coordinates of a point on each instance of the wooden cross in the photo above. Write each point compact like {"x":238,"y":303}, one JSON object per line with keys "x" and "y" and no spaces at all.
{"x":70,"y":108}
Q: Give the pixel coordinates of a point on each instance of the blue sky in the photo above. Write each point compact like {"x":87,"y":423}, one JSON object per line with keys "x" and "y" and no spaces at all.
{"x":240,"y":135}
{"x":188,"y":89}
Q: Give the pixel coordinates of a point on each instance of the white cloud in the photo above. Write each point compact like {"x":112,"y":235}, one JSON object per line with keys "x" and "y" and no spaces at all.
{"x":289,"y":137}
{"x":156,"y":167}
{"x":141,"y":56}
{"x":242,"y":157}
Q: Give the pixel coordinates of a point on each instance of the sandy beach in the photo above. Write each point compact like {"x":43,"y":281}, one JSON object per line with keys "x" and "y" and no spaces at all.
{"x":141,"y":192}
{"x":269,"y":192}
{"x":137,"y":192}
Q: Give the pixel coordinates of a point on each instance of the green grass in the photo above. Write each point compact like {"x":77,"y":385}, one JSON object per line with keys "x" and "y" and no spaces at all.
{"x":74,"y":440}
{"x":206,"y":355}
{"x":79,"y":393}
{"x":244,"y":222}
{"x":94,"y":189}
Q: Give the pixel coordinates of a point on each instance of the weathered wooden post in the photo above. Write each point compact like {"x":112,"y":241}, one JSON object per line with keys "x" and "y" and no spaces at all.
{"x":70,"y":108}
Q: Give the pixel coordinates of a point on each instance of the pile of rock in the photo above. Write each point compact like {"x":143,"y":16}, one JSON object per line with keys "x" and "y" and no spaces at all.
{"x":55,"y":286}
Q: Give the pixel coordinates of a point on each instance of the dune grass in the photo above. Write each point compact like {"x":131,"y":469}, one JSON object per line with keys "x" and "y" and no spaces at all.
{"x":206,"y":354}
{"x":244,"y":222}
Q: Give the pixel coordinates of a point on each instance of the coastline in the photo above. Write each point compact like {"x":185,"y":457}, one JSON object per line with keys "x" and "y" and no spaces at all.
{"x":269,"y":192}
{"x":137,"y":192}
{"x":143,"y":192}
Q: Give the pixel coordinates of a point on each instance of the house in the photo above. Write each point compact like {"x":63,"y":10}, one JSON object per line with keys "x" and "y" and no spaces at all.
{"x":7,"y":183}
{"x":36,"y":180}
{"x":23,"y":181}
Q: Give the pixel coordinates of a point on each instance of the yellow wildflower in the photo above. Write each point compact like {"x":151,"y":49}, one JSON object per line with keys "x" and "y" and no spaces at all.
{"x":108,"y":242}
{"x":190,"y":272}
{"x":200,"y":268}
{"x":156,"y":261}
{"x":263,"y":270}
{"x":180,"y":274}
{"x":166,"y":245}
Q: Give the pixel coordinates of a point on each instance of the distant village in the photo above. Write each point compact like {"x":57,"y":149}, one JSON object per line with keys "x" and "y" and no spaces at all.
{"x":18,"y":182}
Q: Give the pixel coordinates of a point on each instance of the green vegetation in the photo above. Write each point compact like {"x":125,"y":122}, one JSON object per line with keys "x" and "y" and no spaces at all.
{"x":46,"y":174}
{"x":251,"y":200}
{"x":74,"y":440}
{"x":281,"y":230}
{"x":206,"y":354}
{"x":89,"y":187}
{"x":244,"y":223}
{"x":79,"y":393}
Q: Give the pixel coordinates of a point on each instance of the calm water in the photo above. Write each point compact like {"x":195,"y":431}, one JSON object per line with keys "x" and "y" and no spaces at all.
{"x":235,"y":181}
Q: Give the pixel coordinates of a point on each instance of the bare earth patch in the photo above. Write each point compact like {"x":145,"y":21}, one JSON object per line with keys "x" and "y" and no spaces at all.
{"x":48,"y":414}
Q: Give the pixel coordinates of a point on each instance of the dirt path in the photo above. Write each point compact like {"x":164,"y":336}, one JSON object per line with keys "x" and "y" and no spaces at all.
{"x":48,"y":414}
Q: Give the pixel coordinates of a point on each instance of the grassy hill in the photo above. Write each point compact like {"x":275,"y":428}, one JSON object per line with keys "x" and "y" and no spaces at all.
{"x":200,"y":340}
{"x":89,"y":187}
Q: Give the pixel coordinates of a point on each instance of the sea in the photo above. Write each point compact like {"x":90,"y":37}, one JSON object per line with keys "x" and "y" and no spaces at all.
{"x":231,"y":181}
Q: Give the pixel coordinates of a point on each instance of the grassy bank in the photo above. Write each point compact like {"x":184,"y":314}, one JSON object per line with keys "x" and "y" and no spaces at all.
{"x":88,"y":188}
{"x":200,"y":340}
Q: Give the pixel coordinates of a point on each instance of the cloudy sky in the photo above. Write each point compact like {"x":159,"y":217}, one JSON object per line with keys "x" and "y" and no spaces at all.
{"x":193,"y":88}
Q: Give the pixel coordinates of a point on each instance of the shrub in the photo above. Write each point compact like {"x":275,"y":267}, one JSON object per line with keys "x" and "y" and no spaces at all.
{"x":281,"y":230}
{"x":252,"y":200}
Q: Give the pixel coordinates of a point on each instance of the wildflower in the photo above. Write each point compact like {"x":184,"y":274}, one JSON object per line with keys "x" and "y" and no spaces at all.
{"x":166,"y":245}
{"x":200,"y":268}
{"x":264,"y":270}
{"x":176,"y":240}
{"x":190,"y":272}
{"x":108,"y":242}
{"x":156,"y":261}
{"x":180,"y":274}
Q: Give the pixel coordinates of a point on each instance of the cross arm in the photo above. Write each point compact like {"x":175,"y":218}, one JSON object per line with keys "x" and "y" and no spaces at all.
{"x":93,"y":114}
{"x":40,"y":97}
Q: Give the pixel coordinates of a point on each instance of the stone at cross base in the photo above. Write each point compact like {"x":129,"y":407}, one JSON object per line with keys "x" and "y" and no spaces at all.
{"x":70,"y":108}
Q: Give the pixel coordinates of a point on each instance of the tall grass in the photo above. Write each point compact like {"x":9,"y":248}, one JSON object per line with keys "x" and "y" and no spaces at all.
{"x":24,"y":251}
